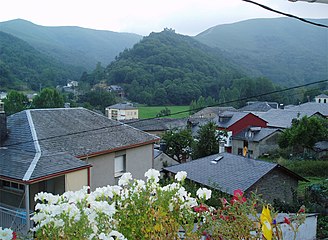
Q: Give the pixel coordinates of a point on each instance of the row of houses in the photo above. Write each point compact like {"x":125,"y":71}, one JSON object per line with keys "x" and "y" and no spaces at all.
{"x":59,"y":150}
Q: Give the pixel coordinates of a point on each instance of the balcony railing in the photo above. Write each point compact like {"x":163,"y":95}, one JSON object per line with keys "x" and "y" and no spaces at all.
{"x":14,"y":218}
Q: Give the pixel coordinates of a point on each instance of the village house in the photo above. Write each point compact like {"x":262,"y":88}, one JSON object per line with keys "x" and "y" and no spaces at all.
{"x":228,"y":172}
{"x":59,"y":150}
{"x":232,"y":122}
{"x":322,"y":98}
{"x":122,"y":111}
{"x":255,"y":141}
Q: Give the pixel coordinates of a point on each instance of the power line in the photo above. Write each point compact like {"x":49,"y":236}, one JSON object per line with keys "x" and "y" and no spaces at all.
{"x":172,"y":114}
{"x":286,"y":14}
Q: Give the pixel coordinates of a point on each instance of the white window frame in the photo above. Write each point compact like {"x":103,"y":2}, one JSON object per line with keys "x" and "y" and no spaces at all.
{"x":119,"y":165}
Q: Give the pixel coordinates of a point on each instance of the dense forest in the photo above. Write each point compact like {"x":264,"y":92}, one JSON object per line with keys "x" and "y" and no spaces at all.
{"x":24,"y":68}
{"x":72,"y":45}
{"x":287,"y":51}
{"x":169,"y":68}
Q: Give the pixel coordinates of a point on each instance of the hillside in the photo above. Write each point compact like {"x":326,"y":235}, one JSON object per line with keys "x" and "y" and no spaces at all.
{"x":285,"y":50}
{"x":22,"y":67}
{"x":168,"y":68}
{"x":72,"y":45}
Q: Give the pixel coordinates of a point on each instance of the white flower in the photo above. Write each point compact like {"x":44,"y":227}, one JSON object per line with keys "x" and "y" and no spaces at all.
{"x":117,"y":234}
{"x":125,"y":179}
{"x":152,"y":174}
{"x":6,"y":234}
{"x":204,"y":193}
{"x":180,"y":176}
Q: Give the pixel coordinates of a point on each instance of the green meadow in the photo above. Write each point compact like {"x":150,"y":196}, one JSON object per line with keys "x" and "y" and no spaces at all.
{"x":151,"y":112}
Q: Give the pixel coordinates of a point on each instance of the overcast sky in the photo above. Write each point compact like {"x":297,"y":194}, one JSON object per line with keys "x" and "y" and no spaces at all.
{"x":188,"y":17}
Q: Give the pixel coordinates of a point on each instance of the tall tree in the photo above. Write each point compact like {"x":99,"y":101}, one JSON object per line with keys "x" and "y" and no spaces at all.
{"x":15,"y":102}
{"x":48,"y":98}
{"x":207,"y":141}
{"x":178,"y":143}
{"x":304,"y":133}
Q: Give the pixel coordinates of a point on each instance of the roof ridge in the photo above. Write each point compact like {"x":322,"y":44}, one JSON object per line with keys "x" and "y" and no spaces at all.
{"x":37,"y":155}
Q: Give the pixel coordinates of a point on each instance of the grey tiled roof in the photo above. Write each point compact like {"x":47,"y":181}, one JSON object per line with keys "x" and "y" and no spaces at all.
{"x":79,"y":131}
{"x":15,"y":163}
{"x":211,"y":112}
{"x":235,"y":116}
{"x":122,"y":106}
{"x":321,"y":146}
{"x":312,"y":107}
{"x":258,"y":135}
{"x":282,"y":118}
{"x":157,"y":124}
{"x":228,"y":174}
{"x":63,"y":135}
{"x":257,"y":107}
{"x":322,"y":96}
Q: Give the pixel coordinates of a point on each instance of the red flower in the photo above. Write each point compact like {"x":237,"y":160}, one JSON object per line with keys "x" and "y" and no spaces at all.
{"x":302,"y":210}
{"x":14,"y":236}
{"x":201,"y":208}
{"x":286,"y":220}
{"x":238,"y":193}
{"x":238,"y":196}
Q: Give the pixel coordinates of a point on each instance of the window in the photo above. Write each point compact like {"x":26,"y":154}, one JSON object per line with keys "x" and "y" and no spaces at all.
{"x":119,"y":165}
{"x":11,"y":186}
{"x":240,"y":151}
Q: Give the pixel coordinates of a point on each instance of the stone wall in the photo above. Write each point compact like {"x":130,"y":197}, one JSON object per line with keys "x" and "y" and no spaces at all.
{"x":277,"y":184}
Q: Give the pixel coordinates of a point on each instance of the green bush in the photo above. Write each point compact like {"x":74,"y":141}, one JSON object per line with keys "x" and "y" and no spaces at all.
{"x":306,"y":168}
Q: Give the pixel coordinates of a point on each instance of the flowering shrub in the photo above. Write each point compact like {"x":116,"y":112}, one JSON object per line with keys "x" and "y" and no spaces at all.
{"x":7,"y":234}
{"x":137,"y":209}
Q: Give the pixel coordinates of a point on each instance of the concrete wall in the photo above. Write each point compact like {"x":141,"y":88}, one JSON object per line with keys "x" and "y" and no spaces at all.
{"x":275,"y":185}
{"x":307,"y":231}
{"x":138,"y":161}
{"x":76,"y":180}
{"x":163,"y":159}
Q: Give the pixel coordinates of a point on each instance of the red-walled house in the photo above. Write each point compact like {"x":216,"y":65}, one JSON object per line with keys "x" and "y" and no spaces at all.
{"x":235,"y":122}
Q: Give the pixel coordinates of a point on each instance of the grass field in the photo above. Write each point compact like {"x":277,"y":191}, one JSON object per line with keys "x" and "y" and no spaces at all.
{"x":151,"y":112}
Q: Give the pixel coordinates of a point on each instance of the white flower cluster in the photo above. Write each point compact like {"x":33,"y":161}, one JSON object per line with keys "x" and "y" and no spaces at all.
{"x":98,"y":212}
{"x":204,"y":193}
{"x":6,"y":234}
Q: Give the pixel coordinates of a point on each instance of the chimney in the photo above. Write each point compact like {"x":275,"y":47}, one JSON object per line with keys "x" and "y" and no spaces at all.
{"x":3,"y":123}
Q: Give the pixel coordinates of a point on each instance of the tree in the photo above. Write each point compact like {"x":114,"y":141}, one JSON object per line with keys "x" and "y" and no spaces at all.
{"x":178,"y":143}
{"x":164,"y":112}
{"x":15,"y":102}
{"x":304,"y":133}
{"x":207,"y":141}
{"x":48,"y":98}
{"x":98,"y":99}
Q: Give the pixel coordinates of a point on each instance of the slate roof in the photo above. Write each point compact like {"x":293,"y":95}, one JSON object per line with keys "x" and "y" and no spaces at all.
{"x":311,"y":108}
{"x":61,"y":135}
{"x":257,"y":107}
{"x":258,"y":135}
{"x":122,"y":106}
{"x":157,"y":124}
{"x":211,"y":112}
{"x":282,"y":118}
{"x":231,"y":116}
{"x":321,"y":146}
{"x":322,"y":96}
{"x":228,"y":174}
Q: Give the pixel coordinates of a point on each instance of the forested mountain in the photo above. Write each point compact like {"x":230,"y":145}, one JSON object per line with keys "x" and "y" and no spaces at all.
{"x":168,"y":68}
{"x":23,"y":68}
{"x":72,"y":45}
{"x":285,"y":50}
